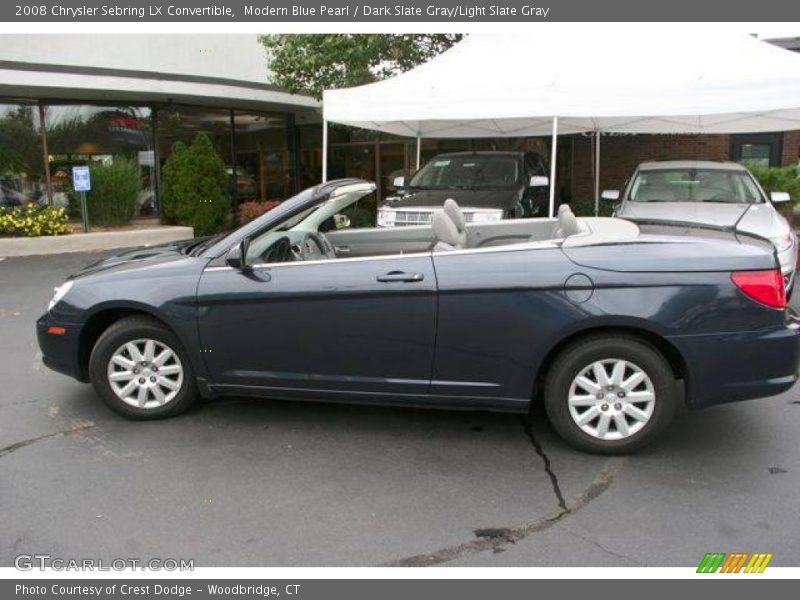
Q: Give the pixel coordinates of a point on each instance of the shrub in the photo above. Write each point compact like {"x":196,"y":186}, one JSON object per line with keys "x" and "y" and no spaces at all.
{"x":115,"y":188}
{"x":32,"y":220}
{"x":194,"y":186}
{"x":253,"y":209}
{"x":778,"y":179}
{"x":584,"y":207}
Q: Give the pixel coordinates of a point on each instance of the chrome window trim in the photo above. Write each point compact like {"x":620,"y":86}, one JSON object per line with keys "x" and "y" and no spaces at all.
{"x":443,"y":253}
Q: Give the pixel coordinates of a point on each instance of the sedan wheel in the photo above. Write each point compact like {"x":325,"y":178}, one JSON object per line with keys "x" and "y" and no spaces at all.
{"x":610,"y":393}
{"x":141,"y":371}
{"x":611,"y":399}
{"x":145,"y":373}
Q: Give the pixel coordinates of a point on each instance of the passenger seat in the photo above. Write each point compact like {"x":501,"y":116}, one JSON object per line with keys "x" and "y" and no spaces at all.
{"x":567,"y":223}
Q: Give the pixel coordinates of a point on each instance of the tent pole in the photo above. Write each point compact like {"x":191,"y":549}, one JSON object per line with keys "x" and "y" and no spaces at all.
{"x":597,"y":173}
{"x":553,"y":159}
{"x":419,"y":150}
{"x":324,"y":151}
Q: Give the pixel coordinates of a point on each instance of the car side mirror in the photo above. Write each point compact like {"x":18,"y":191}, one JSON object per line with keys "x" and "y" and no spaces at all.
{"x":780,"y":197}
{"x":237,"y":256}
{"x":539,"y":181}
{"x":399,"y":183}
{"x":610,"y":195}
{"x":341,"y":221}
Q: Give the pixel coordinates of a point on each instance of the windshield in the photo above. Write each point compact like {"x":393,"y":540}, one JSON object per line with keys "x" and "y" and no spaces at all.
{"x":694,"y":185}
{"x":470,"y":172}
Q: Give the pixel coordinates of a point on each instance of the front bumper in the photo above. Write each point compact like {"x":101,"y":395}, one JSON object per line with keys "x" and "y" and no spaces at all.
{"x":730,"y":367}
{"x":60,"y":352}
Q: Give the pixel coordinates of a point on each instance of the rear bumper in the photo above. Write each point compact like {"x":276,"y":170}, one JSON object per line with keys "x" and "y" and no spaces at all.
{"x":731,"y":367}
{"x":60,"y":352}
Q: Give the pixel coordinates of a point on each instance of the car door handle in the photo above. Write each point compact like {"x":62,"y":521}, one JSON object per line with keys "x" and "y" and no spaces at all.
{"x":395,"y":276}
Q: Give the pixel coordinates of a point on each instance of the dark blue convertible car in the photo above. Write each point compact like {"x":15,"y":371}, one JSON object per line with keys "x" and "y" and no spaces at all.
{"x":609,"y":323}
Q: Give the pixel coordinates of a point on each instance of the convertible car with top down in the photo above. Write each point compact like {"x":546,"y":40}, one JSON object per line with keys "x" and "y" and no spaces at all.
{"x":610,"y":324}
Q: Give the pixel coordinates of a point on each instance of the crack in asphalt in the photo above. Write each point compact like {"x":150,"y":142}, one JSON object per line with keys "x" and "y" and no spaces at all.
{"x":17,"y":445}
{"x":602,"y":548}
{"x":497,"y":539}
{"x":527,"y":427}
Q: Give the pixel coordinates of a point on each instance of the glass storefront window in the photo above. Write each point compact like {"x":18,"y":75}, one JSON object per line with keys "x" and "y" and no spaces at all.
{"x":85,"y":134}
{"x":22,"y":177}
{"x":263,"y":161}
{"x":185,"y":123}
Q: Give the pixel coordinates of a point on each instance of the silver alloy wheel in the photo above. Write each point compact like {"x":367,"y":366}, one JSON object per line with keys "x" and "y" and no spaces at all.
{"x":145,"y":373}
{"x":611,"y":399}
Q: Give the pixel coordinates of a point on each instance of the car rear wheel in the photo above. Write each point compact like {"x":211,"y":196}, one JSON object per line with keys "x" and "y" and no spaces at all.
{"x":610,"y":394}
{"x":140,"y":370}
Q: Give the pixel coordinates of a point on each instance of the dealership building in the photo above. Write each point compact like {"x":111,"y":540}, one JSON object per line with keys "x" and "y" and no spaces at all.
{"x":70,"y":100}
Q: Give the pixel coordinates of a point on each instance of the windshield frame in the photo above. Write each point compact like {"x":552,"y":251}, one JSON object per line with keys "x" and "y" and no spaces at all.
{"x":304,"y":203}
{"x":692,"y":172}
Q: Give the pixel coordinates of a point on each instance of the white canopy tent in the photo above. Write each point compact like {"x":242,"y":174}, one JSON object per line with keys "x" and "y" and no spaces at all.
{"x":583,"y":79}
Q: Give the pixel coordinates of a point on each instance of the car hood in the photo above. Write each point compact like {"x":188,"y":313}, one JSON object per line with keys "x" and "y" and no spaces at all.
{"x":143,"y":256}
{"x":759,"y":219}
{"x":503,"y":198}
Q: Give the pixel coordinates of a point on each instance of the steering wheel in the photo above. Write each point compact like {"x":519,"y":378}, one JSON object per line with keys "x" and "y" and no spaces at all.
{"x":279,"y":251}
{"x":314,"y":246}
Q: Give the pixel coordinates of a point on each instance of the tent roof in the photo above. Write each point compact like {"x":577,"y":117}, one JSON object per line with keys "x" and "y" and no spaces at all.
{"x":636,"y":81}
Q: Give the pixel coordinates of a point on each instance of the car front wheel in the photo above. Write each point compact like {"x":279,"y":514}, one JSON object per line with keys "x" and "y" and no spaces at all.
{"x":610,"y":394}
{"x":140,"y":370}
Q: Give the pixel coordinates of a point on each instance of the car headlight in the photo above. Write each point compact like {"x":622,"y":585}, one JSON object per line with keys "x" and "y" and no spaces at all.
{"x":487,"y":216}
{"x":783,"y":242}
{"x":60,"y":292}
{"x":386,"y":218}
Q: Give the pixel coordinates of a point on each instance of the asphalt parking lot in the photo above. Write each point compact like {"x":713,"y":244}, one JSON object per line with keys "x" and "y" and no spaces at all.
{"x":244,"y":482}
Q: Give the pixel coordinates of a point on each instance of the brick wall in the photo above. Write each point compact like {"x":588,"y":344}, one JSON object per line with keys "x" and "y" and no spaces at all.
{"x":791,"y":147}
{"x":619,"y":155}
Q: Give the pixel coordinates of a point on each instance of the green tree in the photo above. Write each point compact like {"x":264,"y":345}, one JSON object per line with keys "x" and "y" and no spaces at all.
{"x":311,"y":63}
{"x":20,"y":143}
{"x":194,"y":186}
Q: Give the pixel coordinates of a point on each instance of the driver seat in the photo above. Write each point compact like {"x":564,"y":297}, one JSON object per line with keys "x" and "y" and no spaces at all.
{"x":446,"y":233}
{"x":453,"y":210}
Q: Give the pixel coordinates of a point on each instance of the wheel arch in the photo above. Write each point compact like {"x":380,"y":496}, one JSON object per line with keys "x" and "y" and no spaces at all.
{"x":671,"y":354}
{"x":100,"y":320}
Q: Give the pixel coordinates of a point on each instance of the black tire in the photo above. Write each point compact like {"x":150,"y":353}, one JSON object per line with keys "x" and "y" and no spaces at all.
{"x":573,"y":359}
{"x":126,"y":330}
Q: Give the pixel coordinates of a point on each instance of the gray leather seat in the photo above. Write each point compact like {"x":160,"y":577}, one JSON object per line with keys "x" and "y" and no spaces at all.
{"x":446,"y":232}
{"x":453,"y":210}
{"x":568,"y":223}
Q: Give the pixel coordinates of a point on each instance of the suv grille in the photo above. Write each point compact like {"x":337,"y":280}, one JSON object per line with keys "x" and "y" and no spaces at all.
{"x":421,"y":217}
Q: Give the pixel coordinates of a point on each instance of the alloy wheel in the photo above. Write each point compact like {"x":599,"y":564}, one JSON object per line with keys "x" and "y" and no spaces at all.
{"x":145,"y":373}
{"x":611,"y":399}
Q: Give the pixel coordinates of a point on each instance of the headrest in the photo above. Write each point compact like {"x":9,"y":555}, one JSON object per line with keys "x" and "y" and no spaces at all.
{"x":444,"y":229}
{"x":453,"y":211}
{"x":567,"y":222}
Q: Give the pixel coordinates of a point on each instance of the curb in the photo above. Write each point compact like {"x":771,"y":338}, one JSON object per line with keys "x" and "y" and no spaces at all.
{"x":91,"y":242}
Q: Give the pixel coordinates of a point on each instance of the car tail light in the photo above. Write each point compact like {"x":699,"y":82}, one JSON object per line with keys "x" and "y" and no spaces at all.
{"x":765,"y":287}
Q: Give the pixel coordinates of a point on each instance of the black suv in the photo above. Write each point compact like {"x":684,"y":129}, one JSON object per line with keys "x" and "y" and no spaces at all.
{"x":489,"y":186}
